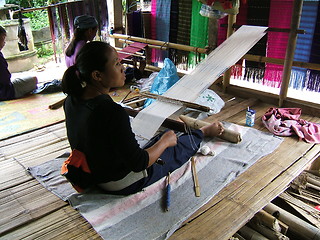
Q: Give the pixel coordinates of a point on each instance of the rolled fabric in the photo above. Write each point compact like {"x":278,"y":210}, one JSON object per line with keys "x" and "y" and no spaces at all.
{"x":228,"y":135}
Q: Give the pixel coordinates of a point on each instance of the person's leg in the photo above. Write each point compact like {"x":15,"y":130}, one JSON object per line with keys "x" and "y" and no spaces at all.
{"x":175,"y":157}
{"x":23,"y":86}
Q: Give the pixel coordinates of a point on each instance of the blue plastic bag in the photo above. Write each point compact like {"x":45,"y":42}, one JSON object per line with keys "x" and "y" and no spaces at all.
{"x":165,"y":79}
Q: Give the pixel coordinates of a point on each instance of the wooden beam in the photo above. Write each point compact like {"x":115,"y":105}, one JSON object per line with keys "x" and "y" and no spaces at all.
{"x":160,"y":43}
{"x":226,"y":76}
{"x":291,"y":46}
{"x":115,"y":19}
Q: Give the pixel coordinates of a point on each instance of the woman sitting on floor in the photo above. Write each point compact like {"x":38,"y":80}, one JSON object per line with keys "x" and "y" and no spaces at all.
{"x":85,"y":30}
{"x":18,"y":87}
{"x":100,"y":128}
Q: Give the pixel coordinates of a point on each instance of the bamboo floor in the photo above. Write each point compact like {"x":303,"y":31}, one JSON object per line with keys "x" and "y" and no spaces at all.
{"x":29,"y":211}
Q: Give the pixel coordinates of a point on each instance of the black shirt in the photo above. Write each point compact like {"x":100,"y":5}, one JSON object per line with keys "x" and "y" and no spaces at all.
{"x":100,"y":128}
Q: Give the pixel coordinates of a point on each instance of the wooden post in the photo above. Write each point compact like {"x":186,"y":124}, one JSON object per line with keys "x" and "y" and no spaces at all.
{"x":226,"y":77}
{"x":291,"y":46}
{"x":115,"y":19}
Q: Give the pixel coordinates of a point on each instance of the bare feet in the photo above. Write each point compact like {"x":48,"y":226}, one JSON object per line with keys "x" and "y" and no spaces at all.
{"x":212,"y":130}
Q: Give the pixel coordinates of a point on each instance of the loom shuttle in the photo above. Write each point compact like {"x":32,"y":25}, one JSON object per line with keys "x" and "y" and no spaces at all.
{"x":168,"y":193}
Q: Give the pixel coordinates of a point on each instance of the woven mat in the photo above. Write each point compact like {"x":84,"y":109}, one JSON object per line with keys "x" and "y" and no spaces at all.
{"x":142,"y":215}
{"x":32,"y":112}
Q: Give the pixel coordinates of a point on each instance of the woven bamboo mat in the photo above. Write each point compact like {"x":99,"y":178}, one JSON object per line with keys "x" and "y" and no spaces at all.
{"x":32,"y":112}
{"x":27,"y":210}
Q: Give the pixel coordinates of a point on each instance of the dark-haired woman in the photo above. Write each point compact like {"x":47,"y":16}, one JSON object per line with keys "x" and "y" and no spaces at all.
{"x":100,"y":128}
{"x":85,"y":29}
{"x":18,"y":87}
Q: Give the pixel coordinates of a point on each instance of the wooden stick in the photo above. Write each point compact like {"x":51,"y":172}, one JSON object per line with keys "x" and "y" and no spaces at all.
{"x":291,"y":46}
{"x":195,"y":177}
{"x":57,"y":105}
{"x":176,"y":101}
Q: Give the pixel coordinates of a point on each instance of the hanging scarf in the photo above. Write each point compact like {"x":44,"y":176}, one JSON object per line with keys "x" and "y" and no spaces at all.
{"x":183,"y":34}
{"x":199,"y":33}
{"x":174,"y":16}
{"x":236,"y":70}
{"x":153,"y":24}
{"x":304,"y":44}
{"x":64,"y":22}
{"x":280,"y":17}
{"x":313,"y":83}
{"x":162,"y":27}
{"x":258,"y":15}
{"x":135,"y":27}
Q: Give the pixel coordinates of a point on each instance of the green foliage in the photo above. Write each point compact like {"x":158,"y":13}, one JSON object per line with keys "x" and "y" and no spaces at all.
{"x":44,"y":51}
{"x":38,"y":19}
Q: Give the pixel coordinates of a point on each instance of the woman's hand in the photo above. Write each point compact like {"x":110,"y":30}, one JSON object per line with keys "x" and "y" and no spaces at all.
{"x":169,"y":138}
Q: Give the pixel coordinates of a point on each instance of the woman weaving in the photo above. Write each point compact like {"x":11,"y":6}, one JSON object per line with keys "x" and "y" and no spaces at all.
{"x":100,"y":129}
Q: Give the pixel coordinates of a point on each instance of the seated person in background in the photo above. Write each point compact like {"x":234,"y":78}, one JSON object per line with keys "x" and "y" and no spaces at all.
{"x":100,"y":128}
{"x":19,"y":86}
{"x":85,"y":29}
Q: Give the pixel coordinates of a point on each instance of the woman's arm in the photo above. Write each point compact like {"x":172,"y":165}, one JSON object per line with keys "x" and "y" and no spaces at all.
{"x":168,"y":139}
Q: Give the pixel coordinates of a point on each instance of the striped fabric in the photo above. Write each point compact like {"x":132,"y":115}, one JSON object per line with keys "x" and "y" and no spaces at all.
{"x":304,"y":43}
{"x":313,"y":83}
{"x":280,"y":17}
{"x":199,"y":33}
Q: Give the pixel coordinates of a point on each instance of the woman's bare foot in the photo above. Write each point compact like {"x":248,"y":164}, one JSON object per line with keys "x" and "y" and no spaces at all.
{"x":212,"y":130}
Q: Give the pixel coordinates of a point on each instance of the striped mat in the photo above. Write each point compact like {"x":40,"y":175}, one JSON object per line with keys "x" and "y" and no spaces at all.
{"x":142,"y":215}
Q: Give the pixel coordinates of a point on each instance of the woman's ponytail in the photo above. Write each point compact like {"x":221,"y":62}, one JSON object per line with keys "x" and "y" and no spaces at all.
{"x":71,"y":82}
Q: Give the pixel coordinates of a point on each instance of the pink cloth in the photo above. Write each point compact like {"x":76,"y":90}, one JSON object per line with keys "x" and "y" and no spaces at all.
{"x":287,"y":122}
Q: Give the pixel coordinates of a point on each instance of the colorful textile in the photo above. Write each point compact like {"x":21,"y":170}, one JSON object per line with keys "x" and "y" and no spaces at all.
{"x":132,"y":48}
{"x":313,"y":82}
{"x":162,"y":23}
{"x":198,"y":35}
{"x":280,"y":17}
{"x":287,"y":122}
{"x":304,"y":44}
{"x":174,"y":11}
{"x":135,"y":23}
{"x":257,"y":15}
{"x":184,"y":29}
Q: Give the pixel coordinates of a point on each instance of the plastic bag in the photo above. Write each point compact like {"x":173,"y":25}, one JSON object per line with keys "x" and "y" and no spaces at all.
{"x":165,"y":79}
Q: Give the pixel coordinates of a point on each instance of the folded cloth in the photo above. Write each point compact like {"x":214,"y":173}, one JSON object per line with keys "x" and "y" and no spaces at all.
{"x":287,"y":122}
{"x":49,"y":87}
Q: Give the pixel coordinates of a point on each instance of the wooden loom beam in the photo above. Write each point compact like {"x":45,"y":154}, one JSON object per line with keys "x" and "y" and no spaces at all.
{"x":291,"y":46}
{"x":226,"y":77}
{"x":160,"y":43}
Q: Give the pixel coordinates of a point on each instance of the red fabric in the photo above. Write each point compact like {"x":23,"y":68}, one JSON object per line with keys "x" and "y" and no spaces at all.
{"x":287,"y":122}
{"x":77,"y":159}
{"x":132,"y":48}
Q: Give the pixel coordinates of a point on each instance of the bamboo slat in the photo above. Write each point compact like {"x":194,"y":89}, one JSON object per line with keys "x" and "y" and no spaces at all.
{"x":310,"y":213}
{"x":24,"y":203}
{"x":230,"y":209}
{"x":65,"y":223}
{"x":250,"y":192}
{"x":300,"y":228}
